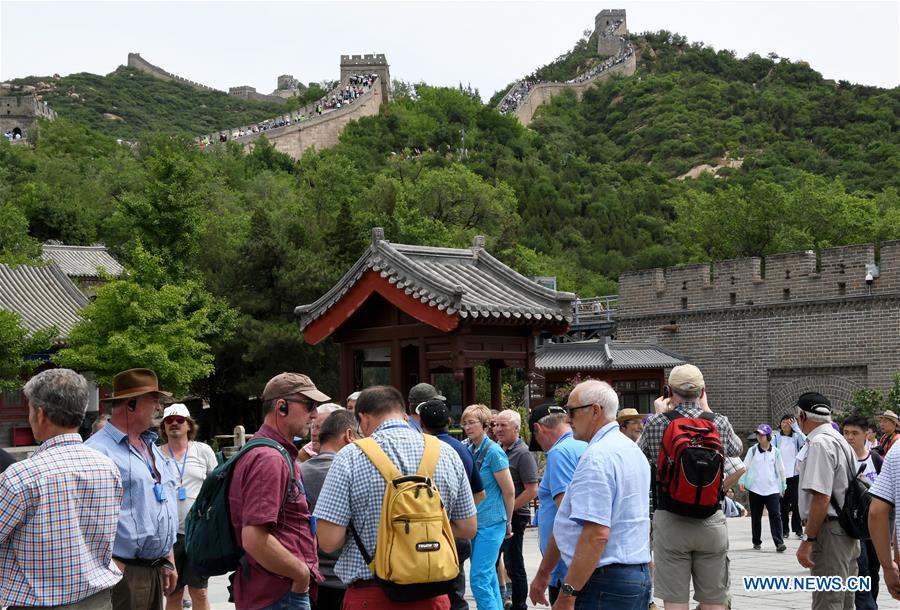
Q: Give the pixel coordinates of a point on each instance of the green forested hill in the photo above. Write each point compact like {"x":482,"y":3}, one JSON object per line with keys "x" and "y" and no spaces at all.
{"x":591,"y":189}
{"x":145,"y":104}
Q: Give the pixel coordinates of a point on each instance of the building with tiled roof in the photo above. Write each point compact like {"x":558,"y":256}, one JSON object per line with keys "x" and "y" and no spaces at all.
{"x":86,"y":265}
{"x":413,"y":312}
{"x":43,"y":296}
{"x":637,"y":370}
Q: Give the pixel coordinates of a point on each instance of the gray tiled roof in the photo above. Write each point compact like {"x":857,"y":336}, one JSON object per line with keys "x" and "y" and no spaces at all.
{"x":42,"y":296}
{"x":466,"y":282}
{"x":603,"y":355}
{"x":81,"y":261}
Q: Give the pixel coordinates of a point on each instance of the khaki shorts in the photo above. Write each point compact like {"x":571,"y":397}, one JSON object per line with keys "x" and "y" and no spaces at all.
{"x":685,"y":548}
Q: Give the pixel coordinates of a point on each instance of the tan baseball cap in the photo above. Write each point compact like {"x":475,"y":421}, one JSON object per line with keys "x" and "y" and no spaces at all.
{"x":286,"y":384}
{"x":686,"y":378}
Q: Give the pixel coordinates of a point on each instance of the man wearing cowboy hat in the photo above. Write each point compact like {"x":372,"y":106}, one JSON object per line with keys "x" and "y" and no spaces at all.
{"x":889,"y":423}
{"x":148,"y":520}
{"x":631,"y":423}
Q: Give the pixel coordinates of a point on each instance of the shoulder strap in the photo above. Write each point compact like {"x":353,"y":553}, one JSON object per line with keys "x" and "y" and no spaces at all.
{"x":379,"y":458}
{"x":430,"y":454}
{"x":672,"y":415}
{"x":273,"y":444}
{"x":708,"y":416}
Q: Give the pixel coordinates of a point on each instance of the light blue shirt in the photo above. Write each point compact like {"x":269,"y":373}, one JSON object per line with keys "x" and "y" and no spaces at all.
{"x":490,"y":458}
{"x":611,"y":487}
{"x":147,"y":527}
{"x":562,"y":458}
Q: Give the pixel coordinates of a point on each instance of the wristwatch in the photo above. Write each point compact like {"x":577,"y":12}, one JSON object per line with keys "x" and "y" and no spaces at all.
{"x":567,"y":589}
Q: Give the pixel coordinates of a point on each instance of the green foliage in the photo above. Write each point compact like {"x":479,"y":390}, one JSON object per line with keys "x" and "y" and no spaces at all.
{"x":144,"y":320}
{"x":146,"y":105}
{"x":16,"y":346}
{"x":588,"y":191}
{"x":872,"y":403}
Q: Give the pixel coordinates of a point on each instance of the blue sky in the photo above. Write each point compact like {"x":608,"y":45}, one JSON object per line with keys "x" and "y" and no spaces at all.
{"x":487,"y":44}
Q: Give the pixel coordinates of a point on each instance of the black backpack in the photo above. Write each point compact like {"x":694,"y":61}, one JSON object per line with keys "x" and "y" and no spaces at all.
{"x":209,"y":540}
{"x":853,"y":515}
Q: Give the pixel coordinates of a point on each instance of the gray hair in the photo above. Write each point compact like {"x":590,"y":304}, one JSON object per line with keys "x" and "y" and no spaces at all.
{"x":99,"y":423}
{"x":61,"y":393}
{"x":515,"y":418}
{"x":552,"y":421}
{"x":601,"y":393}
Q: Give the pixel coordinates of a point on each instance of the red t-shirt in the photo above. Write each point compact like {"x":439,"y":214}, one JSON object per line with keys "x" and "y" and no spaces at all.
{"x":255,"y":497}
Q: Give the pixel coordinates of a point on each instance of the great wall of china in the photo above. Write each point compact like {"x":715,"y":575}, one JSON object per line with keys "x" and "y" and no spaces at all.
{"x":525,"y":97}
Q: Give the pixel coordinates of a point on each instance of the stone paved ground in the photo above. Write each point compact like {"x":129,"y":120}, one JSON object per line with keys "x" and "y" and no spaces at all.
{"x":744,"y":562}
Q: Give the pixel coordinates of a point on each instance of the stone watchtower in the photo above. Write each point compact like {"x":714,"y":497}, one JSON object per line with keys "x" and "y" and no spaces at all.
{"x":368,"y":64}
{"x":608,"y":42}
{"x":19,"y":114}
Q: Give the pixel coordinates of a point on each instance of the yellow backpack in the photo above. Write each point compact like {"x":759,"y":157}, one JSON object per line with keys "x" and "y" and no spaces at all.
{"x":415,"y":554}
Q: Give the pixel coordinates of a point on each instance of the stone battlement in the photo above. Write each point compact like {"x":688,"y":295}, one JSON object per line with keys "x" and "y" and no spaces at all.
{"x":26,"y":106}
{"x":779,"y":279}
{"x":377,"y":59}
{"x":142,"y":65}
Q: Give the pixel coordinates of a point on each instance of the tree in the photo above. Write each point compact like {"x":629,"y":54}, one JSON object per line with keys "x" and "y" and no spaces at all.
{"x":143,"y":319}
{"x":16,"y":345}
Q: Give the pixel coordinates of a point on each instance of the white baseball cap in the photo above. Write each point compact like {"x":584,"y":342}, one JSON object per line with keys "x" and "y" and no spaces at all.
{"x":176,"y":409}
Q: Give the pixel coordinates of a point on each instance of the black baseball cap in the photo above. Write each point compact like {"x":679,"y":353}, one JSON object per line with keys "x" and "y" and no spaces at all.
{"x":537,"y":414}
{"x":813,"y":402}
{"x":434,"y":414}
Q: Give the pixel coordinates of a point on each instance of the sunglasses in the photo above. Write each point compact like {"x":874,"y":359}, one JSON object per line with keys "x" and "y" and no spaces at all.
{"x":174,"y":419}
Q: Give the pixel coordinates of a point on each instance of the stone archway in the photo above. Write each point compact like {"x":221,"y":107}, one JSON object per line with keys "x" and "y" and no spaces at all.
{"x":839,"y":389}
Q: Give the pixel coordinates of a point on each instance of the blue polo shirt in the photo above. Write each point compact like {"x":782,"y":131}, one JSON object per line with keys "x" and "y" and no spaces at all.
{"x":611,"y":487}
{"x":491,"y":510}
{"x":468,"y":463}
{"x":562,"y":458}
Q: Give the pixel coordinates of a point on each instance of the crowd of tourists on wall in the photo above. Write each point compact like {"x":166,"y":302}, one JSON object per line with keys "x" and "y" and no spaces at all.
{"x":355,"y":86}
{"x":521,"y":89}
{"x":332,"y":506}
{"x":14,"y":135}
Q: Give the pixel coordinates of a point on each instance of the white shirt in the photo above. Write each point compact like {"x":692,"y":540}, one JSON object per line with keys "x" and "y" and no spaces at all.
{"x":789,"y":456}
{"x":869,"y":473}
{"x":191,"y":471}
{"x":765,"y":476}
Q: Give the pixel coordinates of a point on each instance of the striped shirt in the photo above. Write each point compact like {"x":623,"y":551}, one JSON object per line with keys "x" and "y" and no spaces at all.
{"x":58,"y":516}
{"x":354,"y":490}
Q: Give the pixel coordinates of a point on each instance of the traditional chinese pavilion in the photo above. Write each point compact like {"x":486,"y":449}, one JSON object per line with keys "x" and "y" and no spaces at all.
{"x":404,"y":314}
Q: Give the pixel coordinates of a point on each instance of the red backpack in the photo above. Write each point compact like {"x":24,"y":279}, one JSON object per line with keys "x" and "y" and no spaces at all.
{"x":689,"y":470}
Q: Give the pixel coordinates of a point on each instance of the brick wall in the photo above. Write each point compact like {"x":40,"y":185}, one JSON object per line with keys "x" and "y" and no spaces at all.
{"x":764,"y":331}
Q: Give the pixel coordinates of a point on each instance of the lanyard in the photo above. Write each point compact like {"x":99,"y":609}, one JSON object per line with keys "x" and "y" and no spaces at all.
{"x":144,"y":458}
{"x":181,"y":466}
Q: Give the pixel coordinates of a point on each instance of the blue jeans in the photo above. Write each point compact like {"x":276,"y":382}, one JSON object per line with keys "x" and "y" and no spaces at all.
{"x":482,"y":570}
{"x":291,"y":601}
{"x":619,"y":586}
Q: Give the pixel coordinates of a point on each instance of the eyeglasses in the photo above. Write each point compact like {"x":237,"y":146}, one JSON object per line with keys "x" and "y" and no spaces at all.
{"x":310,"y":405}
{"x":571,"y":410}
{"x":174,"y":419}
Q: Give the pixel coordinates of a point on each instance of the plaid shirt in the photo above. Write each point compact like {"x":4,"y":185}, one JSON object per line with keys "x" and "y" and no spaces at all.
{"x":652,"y":436}
{"x":58,"y":516}
{"x":354,"y":490}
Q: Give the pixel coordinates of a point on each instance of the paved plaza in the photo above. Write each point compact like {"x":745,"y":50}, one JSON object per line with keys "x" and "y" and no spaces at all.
{"x":744,"y":562}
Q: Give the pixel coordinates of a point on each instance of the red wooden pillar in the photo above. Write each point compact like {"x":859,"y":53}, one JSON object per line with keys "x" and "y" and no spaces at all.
{"x":396,"y":365}
{"x":346,"y":372}
{"x":496,"y":387}
{"x":468,"y":386}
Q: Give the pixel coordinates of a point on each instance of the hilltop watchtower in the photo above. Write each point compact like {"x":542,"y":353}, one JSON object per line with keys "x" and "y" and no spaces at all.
{"x":610,"y":25}
{"x":19,"y":114}
{"x":368,"y":64}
